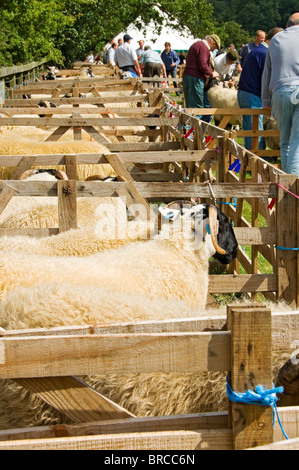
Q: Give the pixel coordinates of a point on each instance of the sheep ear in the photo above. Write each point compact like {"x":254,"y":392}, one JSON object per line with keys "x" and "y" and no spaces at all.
{"x":168,"y":213}
{"x":213,"y":224}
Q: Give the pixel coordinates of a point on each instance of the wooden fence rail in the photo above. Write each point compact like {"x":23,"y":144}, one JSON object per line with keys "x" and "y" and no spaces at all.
{"x":182,"y":347}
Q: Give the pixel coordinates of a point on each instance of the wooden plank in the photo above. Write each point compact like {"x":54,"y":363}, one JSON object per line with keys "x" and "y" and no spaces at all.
{"x":204,"y":422}
{"x":286,"y":213}
{"x":163,"y":440}
{"x":6,"y":194}
{"x":148,"y":190}
{"x":285,"y":326}
{"x":255,"y":235}
{"x":228,"y":111}
{"x":126,"y":157}
{"x":59,"y":132}
{"x":83,"y":110}
{"x":90,"y":100}
{"x":71,"y":167}
{"x":242,"y":283}
{"x":96,"y":135}
{"x":67,"y":204}
{"x":25,"y":164}
{"x":28,"y":232}
{"x":129,"y":192}
{"x":291,"y":444}
{"x":142,"y":146}
{"x":251,"y":340}
{"x":86,"y":121}
{"x":74,"y":398}
{"x":120,"y":354}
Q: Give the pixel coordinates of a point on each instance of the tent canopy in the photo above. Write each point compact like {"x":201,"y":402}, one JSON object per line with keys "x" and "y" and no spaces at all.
{"x":180,"y":41}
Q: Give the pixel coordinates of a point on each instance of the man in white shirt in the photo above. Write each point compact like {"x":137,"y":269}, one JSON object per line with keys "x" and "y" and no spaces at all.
{"x":140,"y":50}
{"x":126,"y":57}
{"x":225,"y":63}
{"x":111,"y":54}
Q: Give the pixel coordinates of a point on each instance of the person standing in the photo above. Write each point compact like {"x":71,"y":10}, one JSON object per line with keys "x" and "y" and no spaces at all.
{"x":171,"y":61}
{"x":140,"y":49}
{"x":151,"y":63}
{"x":259,"y":37}
{"x":111,"y":55}
{"x":250,"y":85}
{"x":126,"y":57}
{"x":198,"y":70}
{"x":280,"y":91}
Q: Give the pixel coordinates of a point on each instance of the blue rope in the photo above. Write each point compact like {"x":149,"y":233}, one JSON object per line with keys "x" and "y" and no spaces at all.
{"x":285,"y":248}
{"x":260,"y":396}
{"x":228,"y":203}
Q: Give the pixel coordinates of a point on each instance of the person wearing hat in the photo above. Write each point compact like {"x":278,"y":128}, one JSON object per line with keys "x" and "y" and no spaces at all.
{"x":198,"y":70}
{"x":250,"y":85}
{"x":225,"y":64}
{"x":126,"y":57}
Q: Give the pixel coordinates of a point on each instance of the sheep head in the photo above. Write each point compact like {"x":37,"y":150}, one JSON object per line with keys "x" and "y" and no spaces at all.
{"x":200,"y":226}
{"x":43,"y":174}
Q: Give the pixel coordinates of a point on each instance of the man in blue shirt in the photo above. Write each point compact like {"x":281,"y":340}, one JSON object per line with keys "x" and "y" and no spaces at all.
{"x":259,"y":37}
{"x":171,"y":61}
{"x":250,"y":84}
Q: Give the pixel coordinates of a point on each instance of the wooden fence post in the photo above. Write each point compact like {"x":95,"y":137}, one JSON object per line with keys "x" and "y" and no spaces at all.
{"x":286,"y":239}
{"x":251,"y":352}
{"x":67,"y":204}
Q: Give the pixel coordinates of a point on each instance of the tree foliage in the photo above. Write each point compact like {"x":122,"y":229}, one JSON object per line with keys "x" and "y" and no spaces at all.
{"x":66,"y":30}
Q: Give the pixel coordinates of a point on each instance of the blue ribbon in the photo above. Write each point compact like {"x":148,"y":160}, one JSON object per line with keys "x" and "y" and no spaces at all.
{"x":235,"y":166}
{"x":260,"y":396}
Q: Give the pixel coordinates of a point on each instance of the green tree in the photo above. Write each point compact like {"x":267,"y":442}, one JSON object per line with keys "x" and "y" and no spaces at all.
{"x":97,"y":21}
{"x":28,"y":28}
{"x":232,"y":32}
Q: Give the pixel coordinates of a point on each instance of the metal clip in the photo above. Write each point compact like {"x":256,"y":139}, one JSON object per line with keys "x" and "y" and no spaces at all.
{"x":213,"y":197}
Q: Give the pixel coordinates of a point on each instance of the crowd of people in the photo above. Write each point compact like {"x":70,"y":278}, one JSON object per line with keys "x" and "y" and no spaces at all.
{"x":267,"y":68}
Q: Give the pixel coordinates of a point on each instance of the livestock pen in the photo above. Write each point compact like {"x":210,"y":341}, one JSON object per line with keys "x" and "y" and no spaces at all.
{"x":176,"y":157}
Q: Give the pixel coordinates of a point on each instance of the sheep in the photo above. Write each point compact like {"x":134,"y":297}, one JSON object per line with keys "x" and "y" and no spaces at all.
{"x":46,"y":104}
{"x":43,"y":175}
{"x":71,"y":305}
{"x":288,"y":377}
{"x":270,"y":124}
{"x":157,"y":267}
{"x":50,"y":74}
{"x":144,"y":394}
{"x":27,"y":213}
{"x":223,"y":97}
{"x":153,"y":274}
{"x":23,"y":140}
{"x":30,"y":212}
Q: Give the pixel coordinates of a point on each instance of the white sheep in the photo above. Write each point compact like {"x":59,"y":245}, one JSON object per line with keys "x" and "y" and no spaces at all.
{"x":145,"y":394}
{"x":28,"y":307}
{"x":156,"y":279}
{"x":174,"y":265}
{"x":223,"y":97}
